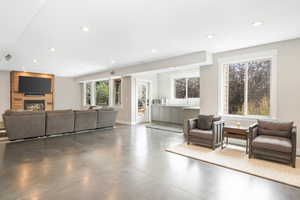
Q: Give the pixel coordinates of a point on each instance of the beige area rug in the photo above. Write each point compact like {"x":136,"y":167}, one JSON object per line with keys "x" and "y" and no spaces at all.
{"x":238,"y":160}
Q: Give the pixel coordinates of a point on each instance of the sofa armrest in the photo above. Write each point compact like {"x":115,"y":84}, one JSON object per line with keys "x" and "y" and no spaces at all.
{"x":192,"y":124}
{"x":294,"y":141}
{"x":253,"y":132}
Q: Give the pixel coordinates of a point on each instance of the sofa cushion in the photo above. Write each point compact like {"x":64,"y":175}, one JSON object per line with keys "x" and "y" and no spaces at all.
{"x":274,"y":143}
{"x":24,"y":112}
{"x":205,"y":122}
{"x":275,"y":128}
{"x":205,"y":134}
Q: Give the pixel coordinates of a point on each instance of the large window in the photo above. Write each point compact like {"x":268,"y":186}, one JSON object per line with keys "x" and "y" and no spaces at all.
{"x":187,"y":88}
{"x":102,"y":92}
{"x":99,"y":93}
{"x":247,"y":87}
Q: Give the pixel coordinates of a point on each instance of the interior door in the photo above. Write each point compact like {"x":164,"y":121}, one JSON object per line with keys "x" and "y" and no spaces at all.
{"x":142,"y":102}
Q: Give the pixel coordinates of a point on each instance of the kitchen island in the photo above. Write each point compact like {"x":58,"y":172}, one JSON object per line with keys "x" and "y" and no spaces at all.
{"x":176,"y":114}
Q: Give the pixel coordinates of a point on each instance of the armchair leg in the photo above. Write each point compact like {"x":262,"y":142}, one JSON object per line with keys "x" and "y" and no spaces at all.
{"x":294,"y":164}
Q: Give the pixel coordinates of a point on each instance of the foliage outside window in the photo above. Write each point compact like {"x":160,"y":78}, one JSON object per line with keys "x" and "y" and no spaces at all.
{"x":117,"y":91}
{"x":102,"y":92}
{"x":187,"y":88}
{"x":88,"y":94}
{"x":247,"y":88}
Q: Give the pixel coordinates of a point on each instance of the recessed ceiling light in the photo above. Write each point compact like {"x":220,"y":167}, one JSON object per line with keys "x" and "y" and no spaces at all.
{"x":258,"y":23}
{"x":210,"y":36}
{"x":85,"y":29}
{"x":52,"y":49}
{"x":35,"y":61}
{"x":153,"y":50}
{"x":113,"y":62}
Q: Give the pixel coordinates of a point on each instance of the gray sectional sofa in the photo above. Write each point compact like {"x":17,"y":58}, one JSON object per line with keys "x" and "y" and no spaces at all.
{"x":27,"y":124}
{"x":85,"y":120}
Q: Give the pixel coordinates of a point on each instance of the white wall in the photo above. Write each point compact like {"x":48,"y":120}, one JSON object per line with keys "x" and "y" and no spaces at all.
{"x":67,"y":93}
{"x":4,"y":92}
{"x":288,"y":80}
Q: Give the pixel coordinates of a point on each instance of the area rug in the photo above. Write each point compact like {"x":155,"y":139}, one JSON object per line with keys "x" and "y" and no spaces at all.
{"x":166,"y":127}
{"x":238,"y":160}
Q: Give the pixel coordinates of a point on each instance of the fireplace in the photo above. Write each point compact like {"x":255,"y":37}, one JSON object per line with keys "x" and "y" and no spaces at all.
{"x":34,"y":105}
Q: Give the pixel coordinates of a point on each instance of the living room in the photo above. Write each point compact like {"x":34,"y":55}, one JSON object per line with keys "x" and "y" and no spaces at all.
{"x":147,"y":100}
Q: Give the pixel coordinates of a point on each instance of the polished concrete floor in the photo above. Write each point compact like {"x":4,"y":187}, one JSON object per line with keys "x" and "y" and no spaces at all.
{"x":123,"y":163}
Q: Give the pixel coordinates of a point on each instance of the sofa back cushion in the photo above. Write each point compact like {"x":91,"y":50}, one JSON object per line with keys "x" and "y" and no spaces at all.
{"x":205,"y":122}
{"x":25,"y":112}
{"x":275,"y":128}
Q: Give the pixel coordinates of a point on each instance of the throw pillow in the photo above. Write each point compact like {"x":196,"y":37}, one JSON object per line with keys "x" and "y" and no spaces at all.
{"x":205,"y":122}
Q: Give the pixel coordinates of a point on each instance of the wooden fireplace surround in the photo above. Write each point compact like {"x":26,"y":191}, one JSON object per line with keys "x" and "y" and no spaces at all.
{"x":17,"y":99}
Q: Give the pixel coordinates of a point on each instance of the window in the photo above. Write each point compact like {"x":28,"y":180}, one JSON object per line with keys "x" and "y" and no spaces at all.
{"x":88,"y":94}
{"x":117,"y":91}
{"x":247,"y":87}
{"x":99,"y":92}
{"x":102,"y":92}
{"x":187,"y":88}
{"x":180,"y":88}
{"x":193,"y":87}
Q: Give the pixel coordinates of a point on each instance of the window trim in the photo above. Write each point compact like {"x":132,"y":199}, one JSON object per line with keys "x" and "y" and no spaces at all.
{"x":111,"y":93}
{"x":272,"y":54}
{"x":186,"y":87}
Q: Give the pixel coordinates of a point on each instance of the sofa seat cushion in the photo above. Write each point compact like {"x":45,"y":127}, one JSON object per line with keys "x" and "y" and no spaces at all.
{"x":274,"y":143}
{"x":275,"y":128}
{"x":205,"y":134}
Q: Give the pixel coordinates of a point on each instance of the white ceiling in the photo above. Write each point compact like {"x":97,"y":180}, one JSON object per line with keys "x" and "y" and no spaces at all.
{"x":127,"y":30}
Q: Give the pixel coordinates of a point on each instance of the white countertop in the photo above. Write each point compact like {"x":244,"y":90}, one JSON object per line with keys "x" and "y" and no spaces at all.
{"x":185,"y":107}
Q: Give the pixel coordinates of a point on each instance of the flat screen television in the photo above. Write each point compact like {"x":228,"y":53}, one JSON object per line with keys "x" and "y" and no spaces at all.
{"x":34,"y":85}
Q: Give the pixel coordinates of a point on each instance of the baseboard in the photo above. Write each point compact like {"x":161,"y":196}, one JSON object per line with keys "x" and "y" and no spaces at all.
{"x":124,"y":122}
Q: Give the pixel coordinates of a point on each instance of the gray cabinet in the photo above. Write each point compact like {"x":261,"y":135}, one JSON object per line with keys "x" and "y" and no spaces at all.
{"x":155,"y":112}
{"x":172,"y":114}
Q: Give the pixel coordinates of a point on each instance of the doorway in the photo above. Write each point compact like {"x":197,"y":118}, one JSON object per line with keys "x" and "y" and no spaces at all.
{"x":142,"y":101}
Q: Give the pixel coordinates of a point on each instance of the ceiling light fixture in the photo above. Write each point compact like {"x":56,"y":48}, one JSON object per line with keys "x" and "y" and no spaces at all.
{"x":52,"y":49}
{"x":258,"y":23}
{"x":153,"y":50}
{"x":35,"y":61}
{"x":85,"y":29}
{"x":210,"y":36}
{"x":113,"y":62}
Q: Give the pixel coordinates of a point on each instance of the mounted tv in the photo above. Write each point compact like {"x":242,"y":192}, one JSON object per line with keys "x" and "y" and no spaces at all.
{"x":34,"y":85}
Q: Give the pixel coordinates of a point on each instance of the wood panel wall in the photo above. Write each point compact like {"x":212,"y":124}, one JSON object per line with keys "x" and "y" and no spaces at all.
{"x":17,"y":99}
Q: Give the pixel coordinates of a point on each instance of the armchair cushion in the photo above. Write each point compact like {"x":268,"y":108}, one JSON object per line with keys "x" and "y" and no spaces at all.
{"x":282,"y":129}
{"x":205,"y":122}
{"x":205,"y":134}
{"x":274,"y":143}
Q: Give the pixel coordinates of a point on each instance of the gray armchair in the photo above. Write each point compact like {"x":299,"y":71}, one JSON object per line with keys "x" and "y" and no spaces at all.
{"x":209,"y":137}
{"x":273,"y":140}
{"x":24,"y":124}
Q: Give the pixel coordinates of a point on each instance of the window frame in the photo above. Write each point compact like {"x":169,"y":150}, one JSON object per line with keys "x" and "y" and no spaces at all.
{"x":222,"y":62}
{"x":186,"y":87}
{"x":111,"y":92}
